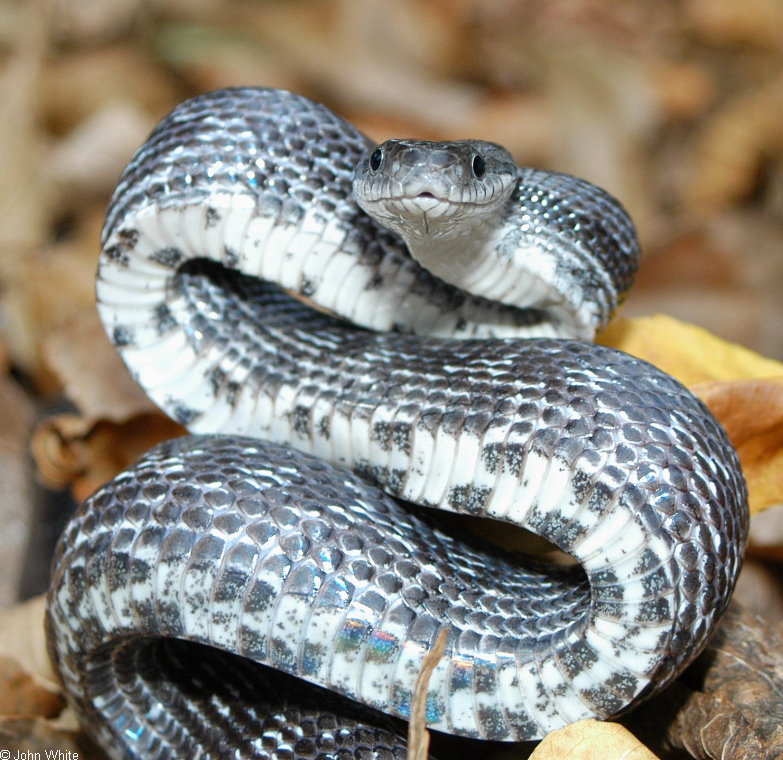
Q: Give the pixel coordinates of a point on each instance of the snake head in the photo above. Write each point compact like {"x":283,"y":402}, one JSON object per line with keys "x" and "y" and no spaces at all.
{"x":428,"y":190}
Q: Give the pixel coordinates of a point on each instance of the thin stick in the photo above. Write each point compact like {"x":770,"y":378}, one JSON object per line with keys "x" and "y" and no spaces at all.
{"x":418,"y":736}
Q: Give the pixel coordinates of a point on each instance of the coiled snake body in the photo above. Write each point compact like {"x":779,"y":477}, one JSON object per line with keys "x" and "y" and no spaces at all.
{"x":247,"y":541}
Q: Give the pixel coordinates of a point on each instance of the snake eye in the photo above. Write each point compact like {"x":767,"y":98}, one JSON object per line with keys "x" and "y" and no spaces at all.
{"x":478,"y":167}
{"x":376,"y":159}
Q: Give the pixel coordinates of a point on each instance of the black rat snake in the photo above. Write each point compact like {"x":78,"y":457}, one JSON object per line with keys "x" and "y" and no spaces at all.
{"x":243,"y":539}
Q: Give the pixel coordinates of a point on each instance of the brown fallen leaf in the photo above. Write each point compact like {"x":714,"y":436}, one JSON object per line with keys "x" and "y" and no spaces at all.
{"x":743,"y":665}
{"x":92,"y":375}
{"x":44,"y":291}
{"x":94,"y":153}
{"x":591,"y":740}
{"x":17,"y":515}
{"x":210,"y":58}
{"x":766,"y":540}
{"x":684,"y":88}
{"x":74,"y":451}
{"x":758,"y":22}
{"x":702,"y":725}
{"x":93,"y":20}
{"x":751,"y":411}
{"x":729,"y":704}
{"x":22,"y":694}
{"x":759,"y":584}
{"x":732,"y":147}
{"x":79,"y":82}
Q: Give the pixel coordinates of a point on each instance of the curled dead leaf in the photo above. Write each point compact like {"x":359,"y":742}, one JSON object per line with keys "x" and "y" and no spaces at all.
{"x":703,"y":725}
{"x":592,"y":740}
{"x":743,"y":666}
{"x":73,"y":451}
{"x":91,"y":373}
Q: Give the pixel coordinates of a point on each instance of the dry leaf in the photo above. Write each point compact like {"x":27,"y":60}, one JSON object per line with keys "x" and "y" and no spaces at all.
{"x":352,"y":63}
{"x":689,"y":353}
{"x":591,"y":740}
{"x":73,"y":451}
{"x":21,"y":694}
{"x":705,"y":726}
{"x":93,"y":155}
{"x":752,"y":21}
{"x":751,"y":411}
{"x":93,"y":19}
{"x":759,"y":584}
{"x":17,"y":514}
{"x":44,"y":291}
{"x":212,"y":58}
{"x":24,"y":191}
{"x":22,"y":638}
{"x":91,"y":373}
{"x":729,"y":704}
{"x":684,"y":89}
{"x":766,"y":538}
{"x":732,"y":147}
{"x":78,"y":84}
{"x":743,"y":666}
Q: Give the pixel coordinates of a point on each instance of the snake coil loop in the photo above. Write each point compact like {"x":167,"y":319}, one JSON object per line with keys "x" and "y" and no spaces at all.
{"x":265,"y":539}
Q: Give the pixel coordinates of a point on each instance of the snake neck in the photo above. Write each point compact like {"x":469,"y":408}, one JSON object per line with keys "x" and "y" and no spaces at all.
{"x":483,"y":255}
{"x":452,"y":252}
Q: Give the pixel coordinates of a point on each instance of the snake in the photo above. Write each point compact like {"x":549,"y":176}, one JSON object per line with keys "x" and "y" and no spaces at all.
{"x":360,"y":339}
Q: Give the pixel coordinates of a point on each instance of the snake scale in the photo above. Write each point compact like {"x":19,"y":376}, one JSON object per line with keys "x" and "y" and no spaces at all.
{"x":436,"y":351}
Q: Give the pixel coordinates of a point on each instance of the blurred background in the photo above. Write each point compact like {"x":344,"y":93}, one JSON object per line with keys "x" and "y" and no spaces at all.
{"x":674,"y":106}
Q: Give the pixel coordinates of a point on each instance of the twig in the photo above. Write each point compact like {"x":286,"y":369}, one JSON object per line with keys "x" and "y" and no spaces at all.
{"x":418,"y":736}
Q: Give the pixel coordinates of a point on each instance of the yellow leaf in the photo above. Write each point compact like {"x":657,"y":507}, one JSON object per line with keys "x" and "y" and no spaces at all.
{"x":690,"y":353}
{"x":742,"y":389}
{"x":591,"y":740}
